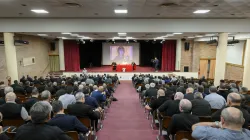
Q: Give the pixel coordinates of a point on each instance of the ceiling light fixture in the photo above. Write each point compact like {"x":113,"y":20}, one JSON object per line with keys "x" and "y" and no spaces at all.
{"x":191,"y":37}
{"x":66,"y":33}
{"x":74,"y":34}
{"x":121,"y":11}
{"x":198,"y":36}
{"x":42,"y":34}
{"x":201,"y":11}
{"x":177,"y":33}
{"x":122,"y":33}
{"x":40,"y":11}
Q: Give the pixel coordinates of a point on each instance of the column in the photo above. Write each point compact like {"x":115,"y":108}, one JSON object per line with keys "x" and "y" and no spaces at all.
{"x":61,"y":54}
{"x":221,"y":55}
{"x":178,"y":55}
{"x":10,"y":56}
{"x":246,"y":74}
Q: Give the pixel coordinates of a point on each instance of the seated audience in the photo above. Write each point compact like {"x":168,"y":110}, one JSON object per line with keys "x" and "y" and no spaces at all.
{"x":229,"y":127}
{"x":38,"y":129}
{"x":171,"y":107}
{"x":233,"y":100}
{"x":184,"y":120}
{"x":65,"y":122}
{"x":157,"y":102}
{"x":91,"y":101}
{"x":2,"y":86}
{"x":201,"y":90}
{"x":18,"y":88}
{"x":79,"y":109}
{"x":67,"y":98}
{"x":152,"y":91}
{"x":31,"y":101}
{"x":215,"y":100}
{"x":200,"y":107}
{"x":50,"y":88}
{"x":61,"y":91}
{"x":189,"y":94}
{"x":11,"y":110}
{"x":245,"y":95}
{"x":6,"y":90}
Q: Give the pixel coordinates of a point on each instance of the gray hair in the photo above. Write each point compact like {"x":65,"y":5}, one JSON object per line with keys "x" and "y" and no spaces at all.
{"x":147,"y":86}
{"x":161,"y":92}
{"x":80,"y":87}
{"x":235,"y":90}
{"x":40,"y":112}
{"x":95,"y":87}
{"x":55,"y":83}
{"x":45,"y":95}
{"x":190,"y":90}
{"x":185,"y":105}
{"x":11,"y":96}
{"x":57,"y":106}
{"x":75,"y":83}
{"x":244,"y":89}
{"x":152,"y":85}
{"x":234,"y":97}
{"x":8,"y":89}
{"x":35,"y":91}
{"x":63,"y":83}
{"x":212,"y":89}
{"x":198,"y":95}
{"x":79,"y":96}
{"x":233,"y":116}
{"x":178,"y":96}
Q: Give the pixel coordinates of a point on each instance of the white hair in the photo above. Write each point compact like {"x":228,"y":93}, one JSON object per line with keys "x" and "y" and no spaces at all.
{"x":178,"y":96}
{"x":152,"y":85}
{"x":8,"y":89}
{"x":80,"y":87}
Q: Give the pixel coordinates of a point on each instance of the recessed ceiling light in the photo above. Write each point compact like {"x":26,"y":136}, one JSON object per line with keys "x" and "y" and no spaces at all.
{"x":39,"y":11}
{"x":121,"y":11}
{"x":190,"y":37}
{"x":42,"y":34}
{"x":122,"y":34}
{"x":201,"y":11}
{"x":177,"y":33}
{"x":209,"y":34}
{"x":66,"y":33}
{"x":74,"y":34}
{"x":199,"y":36}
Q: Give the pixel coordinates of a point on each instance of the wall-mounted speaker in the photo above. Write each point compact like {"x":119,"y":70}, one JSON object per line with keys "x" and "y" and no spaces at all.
{"x":52,"y":46}
{"x":186,"y":68}
{"x":186,"y":46}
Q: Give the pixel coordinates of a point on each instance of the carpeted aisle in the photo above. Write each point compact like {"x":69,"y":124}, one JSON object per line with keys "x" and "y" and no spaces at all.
{"x":125,"y":118}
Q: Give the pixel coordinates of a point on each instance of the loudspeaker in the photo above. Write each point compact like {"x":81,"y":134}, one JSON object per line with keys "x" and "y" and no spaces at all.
{"x":186,"y":45}
{"x":186,"y":69}
{"x":52,"y":46}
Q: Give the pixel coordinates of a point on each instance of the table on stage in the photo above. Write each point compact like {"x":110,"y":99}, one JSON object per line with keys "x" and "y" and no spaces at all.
{"x":128,"y":67}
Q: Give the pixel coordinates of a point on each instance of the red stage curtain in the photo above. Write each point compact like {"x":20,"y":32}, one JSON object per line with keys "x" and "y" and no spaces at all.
{"x":168,"y":55}
{"x":71,"y":56}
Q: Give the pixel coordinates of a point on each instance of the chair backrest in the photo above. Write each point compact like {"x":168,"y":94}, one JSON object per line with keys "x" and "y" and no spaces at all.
{"x":86,"y":122}
{"x":11,"y":135}
{"x":205,"y":119}
{"x":184,"y":135}
{"x":166,"y":121}
{"x":213,"y":110}
{"x":13,"y":122}
{"x":73,"y":135}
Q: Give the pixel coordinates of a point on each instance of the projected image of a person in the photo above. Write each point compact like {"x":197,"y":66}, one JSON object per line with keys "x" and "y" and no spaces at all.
{"x":121,"y":58}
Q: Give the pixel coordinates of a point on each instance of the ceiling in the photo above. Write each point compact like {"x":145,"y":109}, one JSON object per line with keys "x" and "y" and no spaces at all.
{"x":136,"y":8}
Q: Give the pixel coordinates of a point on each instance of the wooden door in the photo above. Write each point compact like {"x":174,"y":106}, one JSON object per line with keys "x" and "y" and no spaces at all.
{"x":203,"y":68}
{"x":212,"y":69}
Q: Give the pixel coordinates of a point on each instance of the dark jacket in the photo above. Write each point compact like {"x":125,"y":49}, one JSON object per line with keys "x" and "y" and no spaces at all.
{"x":182,"y":122}
{"x":155,"y":104}
{"x":82,"y":110}
{"x":11,"y":110}
{"x":216,"y":115}
{"x":201,"y":107}
{"x":189,"y":96}
{"x":32,"y":131}
{"x":223,"y":93}
{"x":151,"y":92}
{"x":68,"y":123}
{"x":30,"y":102}
{"x":170,"y":107}
{"x":91,"y":101}
{"x":98,"y":96}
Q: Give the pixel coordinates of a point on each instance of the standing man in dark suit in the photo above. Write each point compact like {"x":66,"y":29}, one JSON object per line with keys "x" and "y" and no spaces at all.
{"x":79,"y":109}
{"x":184,"y":120}
{"x":156,"y":64}
{"x":66,"y":122}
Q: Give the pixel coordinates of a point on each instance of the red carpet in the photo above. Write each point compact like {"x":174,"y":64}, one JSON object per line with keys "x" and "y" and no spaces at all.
{"x":126,"y":119}
{"x":109,"y":69}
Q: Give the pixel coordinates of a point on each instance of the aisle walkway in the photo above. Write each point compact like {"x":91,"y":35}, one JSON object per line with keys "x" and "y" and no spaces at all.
{"x":126,"y":119}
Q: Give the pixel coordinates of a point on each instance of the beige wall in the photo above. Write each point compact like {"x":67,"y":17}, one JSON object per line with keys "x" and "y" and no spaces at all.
{"x":38,"y":48}
{"x":199,"y":50}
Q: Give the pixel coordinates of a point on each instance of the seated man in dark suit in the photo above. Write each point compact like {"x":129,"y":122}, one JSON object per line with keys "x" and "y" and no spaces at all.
{"x":171,"y":107}
{"x":99,"y":95}
{"x":38,"y":129}
{"x":233,"y":100}
{"x":2,"y":86}
{"x":200,"y":107}
{"x":189,"y":94}
{"x":91,"y":101}
{"x":155,"y":104}
{"x":223,"y":91}
{"x":31,"y":101}
{"x":152,"y":91}
{"x":79,"y":109}
{"x":66,"y":122}
{"x":245,"y":95}
{"x":11,"y":110}
{"x":184,"y":120}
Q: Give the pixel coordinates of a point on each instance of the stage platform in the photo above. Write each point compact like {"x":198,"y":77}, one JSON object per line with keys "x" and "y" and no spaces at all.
{"x":128,"y":75}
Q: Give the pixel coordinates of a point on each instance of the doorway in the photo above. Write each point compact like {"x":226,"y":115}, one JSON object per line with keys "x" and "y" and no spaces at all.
{"x":207,"y":67}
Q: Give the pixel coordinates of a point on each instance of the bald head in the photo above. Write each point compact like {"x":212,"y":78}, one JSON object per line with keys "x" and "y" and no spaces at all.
{"x":161,"y":92}
{"x":232,"y":117}
{"x":189,"y":90}
{"x":234,"y":98}
{"x":11,"y":96}
{"x":185,"y":105}
{"x":101,"y":89}
{"x":178,"y":96}
{"x":212,"y":89}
